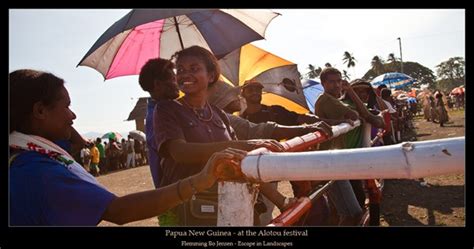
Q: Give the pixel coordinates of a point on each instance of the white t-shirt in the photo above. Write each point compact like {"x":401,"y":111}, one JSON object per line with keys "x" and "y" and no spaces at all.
{"x":389,"y":106}
{"x":86,"y":155}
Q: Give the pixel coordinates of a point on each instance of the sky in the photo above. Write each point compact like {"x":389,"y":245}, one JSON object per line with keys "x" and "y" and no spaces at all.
{"x":56,"y":40}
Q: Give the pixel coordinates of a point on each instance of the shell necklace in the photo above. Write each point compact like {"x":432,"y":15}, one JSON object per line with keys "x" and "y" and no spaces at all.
{"x":200,"y":112}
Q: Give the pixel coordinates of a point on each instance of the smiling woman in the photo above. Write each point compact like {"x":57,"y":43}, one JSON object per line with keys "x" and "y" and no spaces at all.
{"x":48,"y":188}
{"x":72,"y":32}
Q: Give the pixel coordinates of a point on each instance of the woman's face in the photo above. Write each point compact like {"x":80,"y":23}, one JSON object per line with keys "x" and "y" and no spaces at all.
{"x":192,"y":75}
{"x":363,"y":93}
{"x":57,"y":124}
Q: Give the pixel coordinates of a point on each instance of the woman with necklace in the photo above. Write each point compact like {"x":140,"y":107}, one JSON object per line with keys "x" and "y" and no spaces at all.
{"x":48,"y":188}
{"x":189,"y":130}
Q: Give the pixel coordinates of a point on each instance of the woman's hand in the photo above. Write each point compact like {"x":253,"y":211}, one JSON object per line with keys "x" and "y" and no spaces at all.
{"x":345,"y":85}
{"x":270,"y":144}
{"x":223,"y":165}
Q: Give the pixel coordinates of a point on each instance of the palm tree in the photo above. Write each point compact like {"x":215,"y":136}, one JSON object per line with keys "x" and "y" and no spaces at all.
{"x":345,"y":75}
{"x":313,"y":71}
{"x":391,"y":57}
{"x":377,"y":65}
{"x":349,"y":59}
{"x":394,"y":64}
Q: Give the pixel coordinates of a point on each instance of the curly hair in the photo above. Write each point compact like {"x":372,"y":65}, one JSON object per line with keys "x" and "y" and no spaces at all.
{"x":155,"y":69}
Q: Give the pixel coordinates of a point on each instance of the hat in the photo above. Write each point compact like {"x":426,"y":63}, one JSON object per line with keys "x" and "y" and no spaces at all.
{"x":251,"y":82}
{"x":223,"y":94}
{"x":360,"y":83}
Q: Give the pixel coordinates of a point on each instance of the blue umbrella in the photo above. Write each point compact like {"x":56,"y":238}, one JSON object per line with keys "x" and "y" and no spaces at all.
{"x":312,"y":90}
{"x":393,"y":80}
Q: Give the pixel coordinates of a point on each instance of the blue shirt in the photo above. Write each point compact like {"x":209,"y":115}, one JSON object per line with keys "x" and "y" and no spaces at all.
{"x":153,"y":158}
{"x":64,"y":144}
{"x":44,"y":193}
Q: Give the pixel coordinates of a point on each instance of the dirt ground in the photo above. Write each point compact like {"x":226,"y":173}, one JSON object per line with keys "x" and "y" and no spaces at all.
{"x":405,"y":202}
{"x":442,"y":202}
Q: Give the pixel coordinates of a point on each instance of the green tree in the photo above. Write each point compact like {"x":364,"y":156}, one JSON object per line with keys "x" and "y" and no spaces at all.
{"x":393,"y":64}
{"x":451,"y":73}
{"x":377,"y":65}
{"x":349,"y":59}
{"x":391,"y":57}
{"x":422,"y":74}
{"x":345,"y":75}
{"x":313,"y":71}
{"x":446,"y":85}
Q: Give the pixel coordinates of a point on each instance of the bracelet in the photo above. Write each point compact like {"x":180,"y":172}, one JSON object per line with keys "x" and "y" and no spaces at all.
{"x":190,"y":180}
{"x":179,"y":192}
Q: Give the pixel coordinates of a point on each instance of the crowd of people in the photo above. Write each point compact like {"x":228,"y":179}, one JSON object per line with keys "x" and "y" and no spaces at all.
{"x":436,"y":105}
{"x":191,"y":143}
{"x":100,"y":158}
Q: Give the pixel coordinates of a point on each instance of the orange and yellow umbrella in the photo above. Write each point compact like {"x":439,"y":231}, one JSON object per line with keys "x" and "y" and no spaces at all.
{"x":280,"y":77}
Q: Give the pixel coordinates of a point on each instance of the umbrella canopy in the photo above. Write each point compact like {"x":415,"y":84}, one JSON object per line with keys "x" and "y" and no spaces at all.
{"x":457,"y":90}
{"x":392,"y":80}
{"x":279,"y":77}
{"x":312,"y":90}
{"x":137,"y":135}
{"x":112,"y":135}
{"x":151,"y":33}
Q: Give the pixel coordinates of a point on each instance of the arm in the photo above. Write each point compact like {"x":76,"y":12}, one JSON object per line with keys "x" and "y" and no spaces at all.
{"x":286,"y":132}
{"x":273,"y":195}
{"x":245,"y":129}
{"x":381,"y":103}
{"x":360,"y":107}
{"x":184,"y":152}
{"x":375,"y":120}
{"x":150,"y":203}
{"x":309,"y":118}
{"x":329,"y":109}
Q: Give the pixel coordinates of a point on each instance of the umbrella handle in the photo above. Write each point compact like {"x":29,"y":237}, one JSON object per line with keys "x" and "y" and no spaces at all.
{"x":179,"y":33}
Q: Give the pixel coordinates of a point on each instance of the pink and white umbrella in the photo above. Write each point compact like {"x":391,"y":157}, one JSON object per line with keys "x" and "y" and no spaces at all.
{"x":144,"y":34}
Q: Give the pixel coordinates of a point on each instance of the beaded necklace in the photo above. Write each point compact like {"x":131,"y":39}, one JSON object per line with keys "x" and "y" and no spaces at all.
{"x":200,"y":112}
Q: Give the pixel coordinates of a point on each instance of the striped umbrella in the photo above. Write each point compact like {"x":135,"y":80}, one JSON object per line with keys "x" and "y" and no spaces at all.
{"x":150,"y":33}
{"x":279,"y":77}
{"x":392,"y":80}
